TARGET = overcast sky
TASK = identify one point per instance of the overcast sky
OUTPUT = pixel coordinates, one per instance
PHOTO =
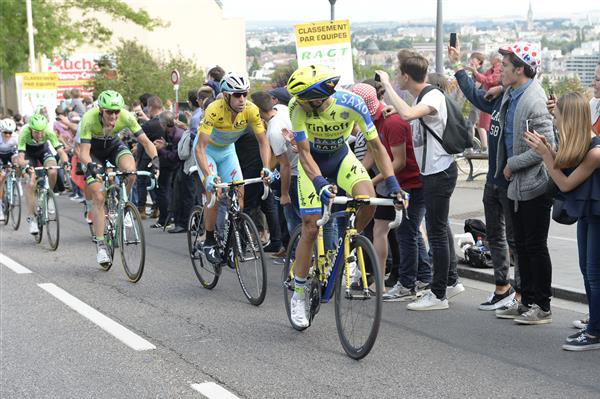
(399, 10)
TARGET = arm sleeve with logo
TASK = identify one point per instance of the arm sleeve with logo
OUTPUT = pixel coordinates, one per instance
(254, 118)
(131, 123)
(51, 136)
(85, 128)
(208, 121)
(298, 118)
(363, 118)
(23, 136)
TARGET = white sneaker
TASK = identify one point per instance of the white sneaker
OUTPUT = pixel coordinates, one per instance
(428, 302)
(33, 227)
(582, 323)
(298, 311)
(127, 221)
(102, 256)
(88, 217)
(454, 290)
(399, 293)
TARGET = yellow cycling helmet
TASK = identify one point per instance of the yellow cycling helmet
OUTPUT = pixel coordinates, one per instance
(313, 82)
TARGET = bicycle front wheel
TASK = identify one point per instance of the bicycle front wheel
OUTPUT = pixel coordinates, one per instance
(249, 260)
(207, 273)
(131, 242)
(39, 217)
(358, 308)
(52, 224)
(110, 239)
(15, 207)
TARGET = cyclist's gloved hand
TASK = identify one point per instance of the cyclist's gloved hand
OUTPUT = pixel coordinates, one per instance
(392, 186)
(266, 173)
(91, 171)
(325, 190)
(209, 182)
(155, 163)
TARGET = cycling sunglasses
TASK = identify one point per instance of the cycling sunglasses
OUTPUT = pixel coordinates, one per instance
(238, 95)
(112, 111)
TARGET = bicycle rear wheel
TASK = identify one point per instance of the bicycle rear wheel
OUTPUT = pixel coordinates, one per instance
(250, 264)
(52, 224)
(358, 313)
(15, 206)
(132, 243)
(287, 278)
(207, 273)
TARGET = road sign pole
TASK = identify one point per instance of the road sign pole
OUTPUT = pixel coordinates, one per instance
(176, 87)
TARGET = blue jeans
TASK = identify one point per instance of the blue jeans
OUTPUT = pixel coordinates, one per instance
(437, 190)
(292, 210)
(588, 237)
(412, 266)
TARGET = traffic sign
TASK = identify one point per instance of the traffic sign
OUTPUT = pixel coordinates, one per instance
(175, 76)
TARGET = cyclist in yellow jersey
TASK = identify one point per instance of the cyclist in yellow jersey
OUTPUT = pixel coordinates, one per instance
(322, 119)
(224, 122)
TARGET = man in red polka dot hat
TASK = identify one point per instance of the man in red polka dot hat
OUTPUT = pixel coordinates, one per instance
(524, 108)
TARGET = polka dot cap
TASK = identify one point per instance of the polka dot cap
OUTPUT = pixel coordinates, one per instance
(527, 52)
(368, 94)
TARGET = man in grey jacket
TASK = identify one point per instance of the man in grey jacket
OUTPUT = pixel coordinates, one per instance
(524, 109)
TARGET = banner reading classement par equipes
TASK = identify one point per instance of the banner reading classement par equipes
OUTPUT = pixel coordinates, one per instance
(326, 43)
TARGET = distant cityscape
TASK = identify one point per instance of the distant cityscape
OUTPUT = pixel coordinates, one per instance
(570, 46)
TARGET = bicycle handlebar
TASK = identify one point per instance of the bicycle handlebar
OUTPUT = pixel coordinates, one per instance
(152, 185)
(371, 201)
(213, 198)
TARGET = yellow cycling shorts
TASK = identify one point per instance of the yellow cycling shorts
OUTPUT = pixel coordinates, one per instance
(347, 172)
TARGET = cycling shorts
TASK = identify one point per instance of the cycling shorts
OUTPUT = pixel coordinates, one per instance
(38, 155)
(341, 168)
(5, 159)
(222, 162)
(106, 150)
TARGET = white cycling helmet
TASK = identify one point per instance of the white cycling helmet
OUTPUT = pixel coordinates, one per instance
(8, 124)
(234, 83)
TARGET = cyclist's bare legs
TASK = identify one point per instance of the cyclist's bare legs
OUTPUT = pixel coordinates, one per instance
(365, 213)
(126, 163)
(97, 207)
(305, 245)
(29, 190)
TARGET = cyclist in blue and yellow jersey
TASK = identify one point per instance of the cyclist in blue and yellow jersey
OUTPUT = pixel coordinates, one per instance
(322, 119)
(35, 140)
(225, 121)
(99, 136)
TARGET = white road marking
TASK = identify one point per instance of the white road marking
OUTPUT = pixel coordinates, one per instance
(12, 265)
(552, 237)
(213, 391)
(121, 333)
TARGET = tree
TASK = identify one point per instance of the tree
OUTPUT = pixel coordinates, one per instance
(133, 70)
(282, 73)
(55, 29)
(254, 67)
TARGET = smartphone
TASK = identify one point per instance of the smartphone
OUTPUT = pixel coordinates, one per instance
(377, 78)
(527, 125)
(453, 39)
(551, 93)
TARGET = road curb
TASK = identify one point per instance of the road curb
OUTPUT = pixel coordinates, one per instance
(568, 294)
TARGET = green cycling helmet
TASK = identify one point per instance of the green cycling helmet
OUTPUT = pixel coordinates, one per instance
(38, 122)
(110, 99)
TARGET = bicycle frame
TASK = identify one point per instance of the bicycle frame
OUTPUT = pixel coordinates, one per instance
(41, 190)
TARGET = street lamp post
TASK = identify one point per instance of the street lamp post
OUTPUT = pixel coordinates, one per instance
(332, 9)
(30, 33)
(439, 40)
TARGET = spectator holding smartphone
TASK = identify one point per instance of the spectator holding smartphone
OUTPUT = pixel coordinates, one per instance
(575, 169)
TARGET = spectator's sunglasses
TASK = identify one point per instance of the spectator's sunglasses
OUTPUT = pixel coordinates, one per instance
(112, 111)
(238, 95)
(7, 132)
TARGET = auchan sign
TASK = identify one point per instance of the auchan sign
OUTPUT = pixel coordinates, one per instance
(74, 71)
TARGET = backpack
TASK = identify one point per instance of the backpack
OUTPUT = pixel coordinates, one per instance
(456, 137)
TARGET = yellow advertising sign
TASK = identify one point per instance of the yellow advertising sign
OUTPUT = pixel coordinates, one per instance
(322, 33)
(39, 81)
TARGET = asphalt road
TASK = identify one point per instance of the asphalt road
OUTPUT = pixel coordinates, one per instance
(48, 350)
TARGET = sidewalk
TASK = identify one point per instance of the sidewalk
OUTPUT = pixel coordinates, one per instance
(567, 281)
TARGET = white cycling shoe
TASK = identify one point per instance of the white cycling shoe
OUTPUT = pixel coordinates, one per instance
(33, 227)
(298, 312)
(102, 257)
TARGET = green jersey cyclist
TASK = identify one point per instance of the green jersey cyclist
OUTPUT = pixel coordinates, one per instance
(322, 119)
(225, 121)
(99, 135)
(34, 148)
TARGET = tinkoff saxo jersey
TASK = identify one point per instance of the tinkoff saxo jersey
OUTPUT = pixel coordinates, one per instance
(223, 131)
(328, 130)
